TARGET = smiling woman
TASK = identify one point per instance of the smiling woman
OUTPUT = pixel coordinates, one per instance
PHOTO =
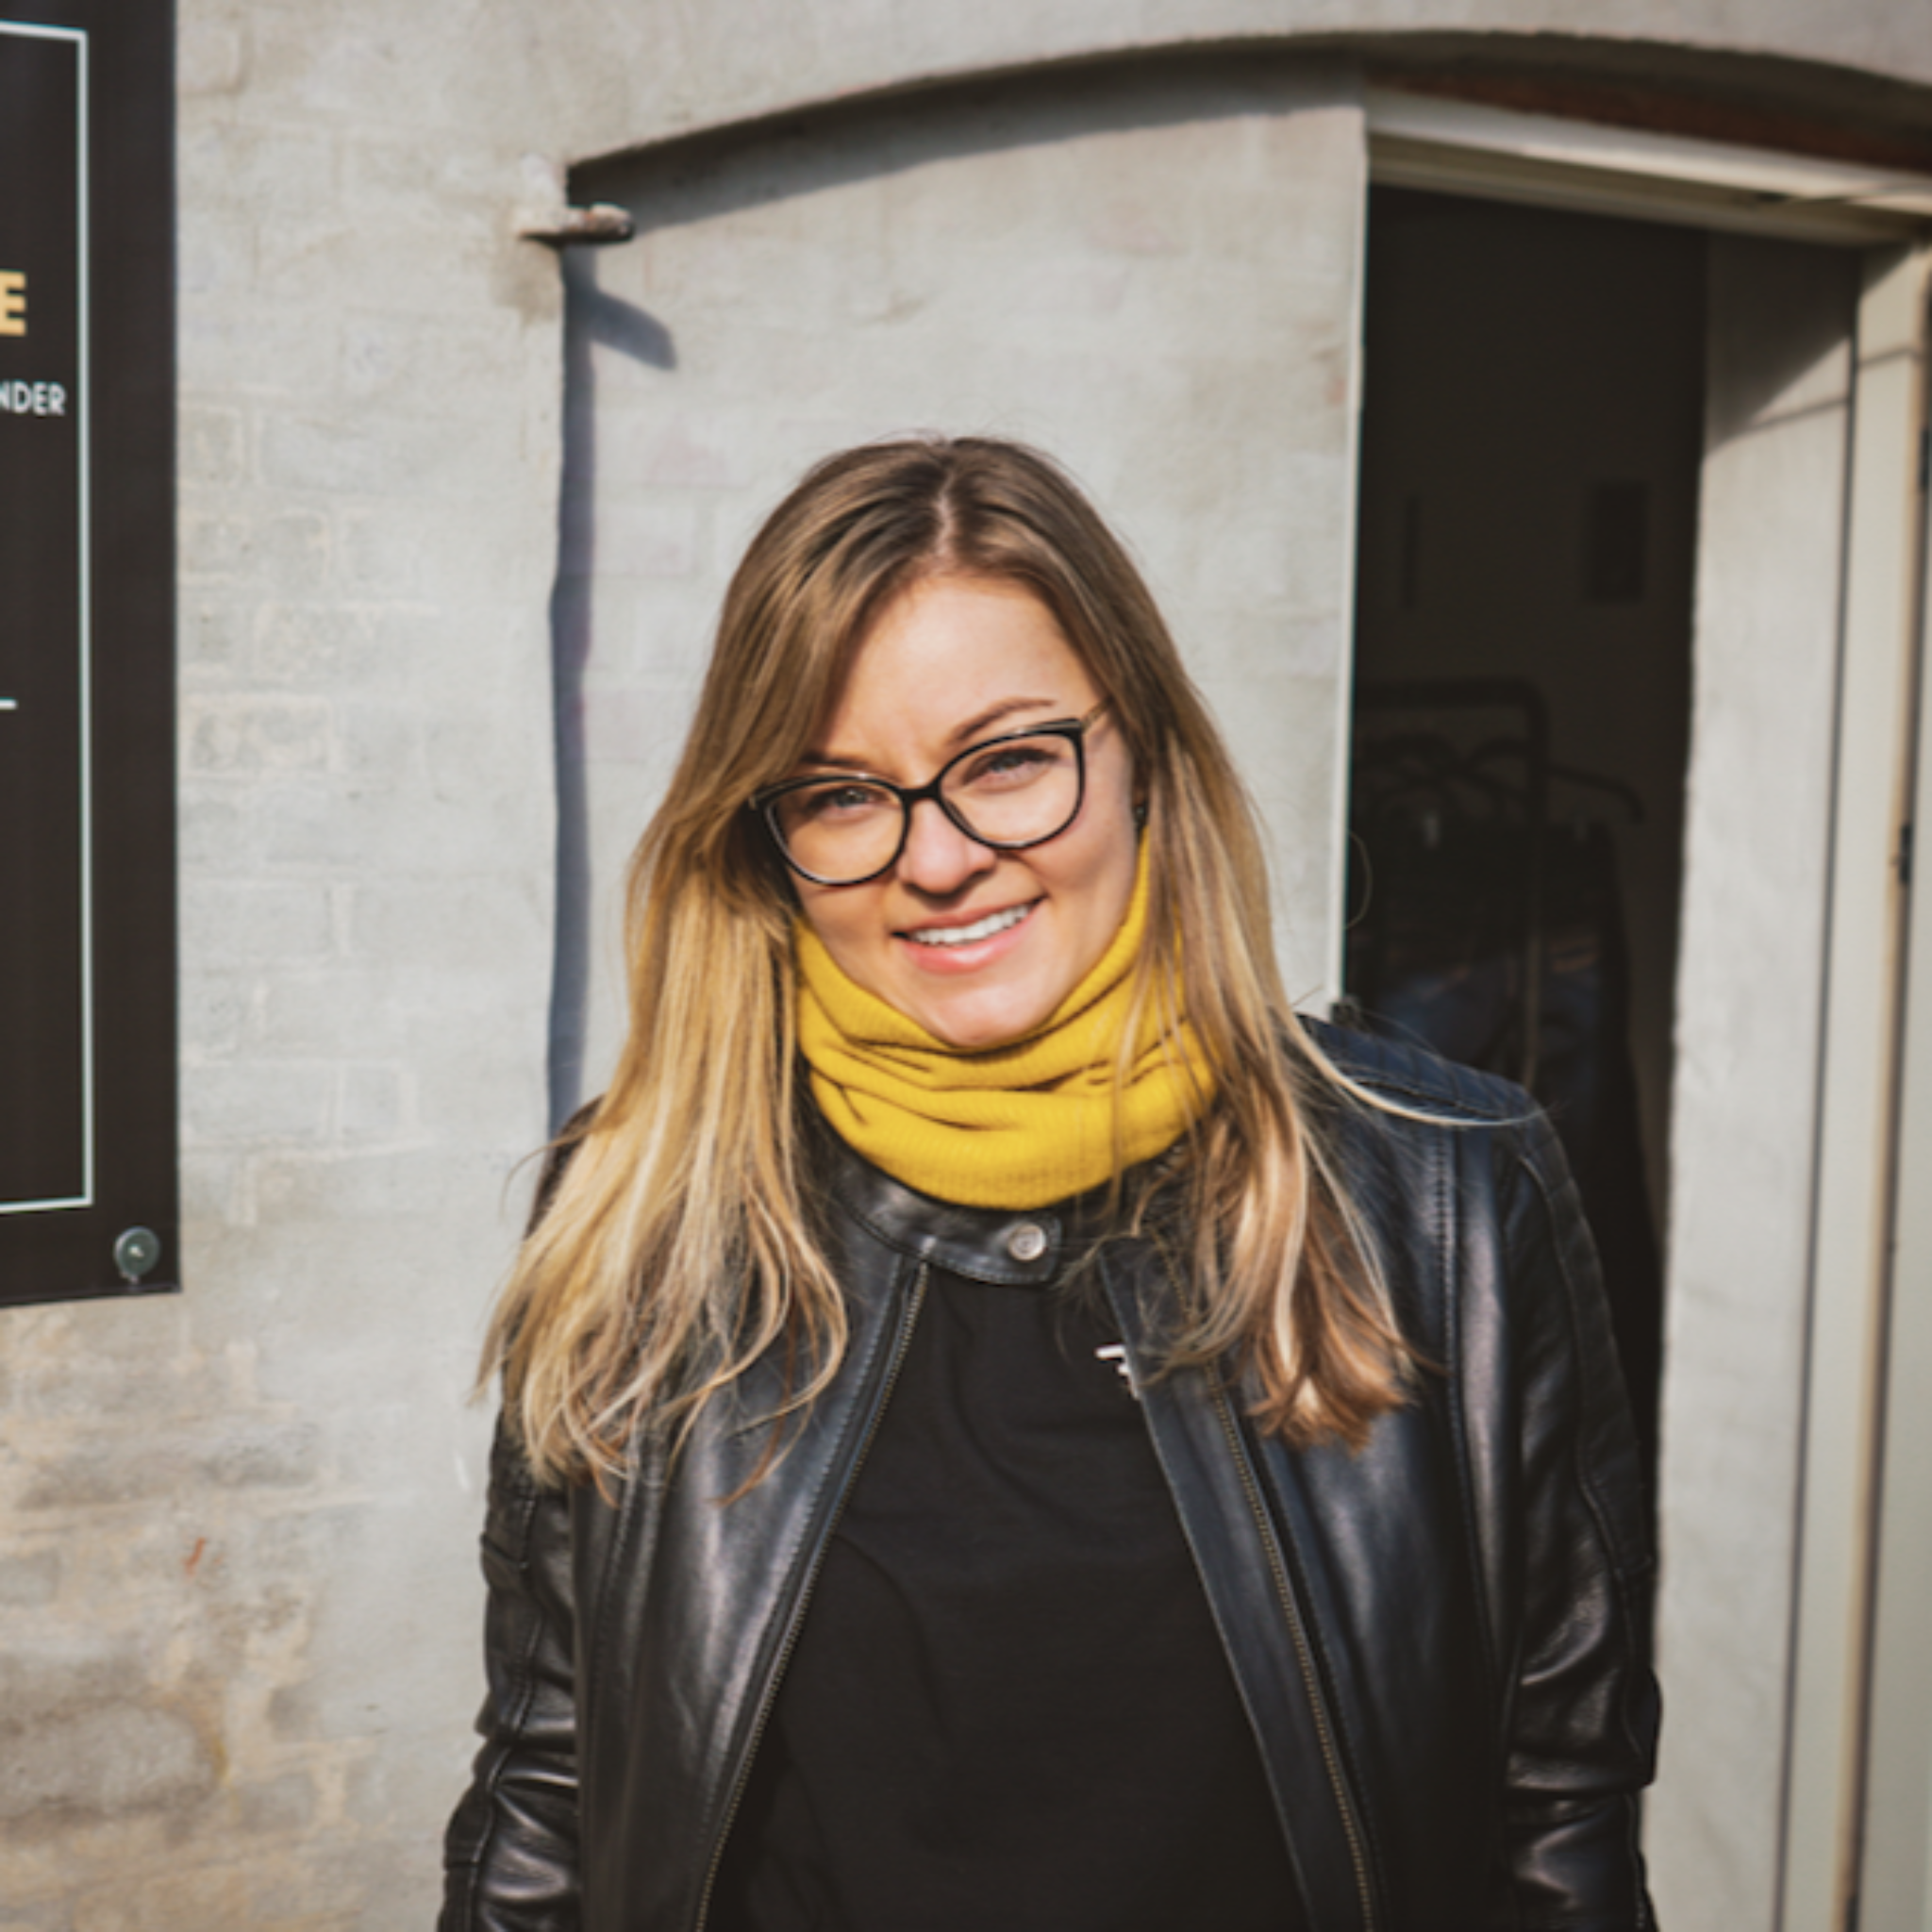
(1003, 1422)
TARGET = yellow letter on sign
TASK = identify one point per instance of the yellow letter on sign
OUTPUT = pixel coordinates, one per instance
(13, 302)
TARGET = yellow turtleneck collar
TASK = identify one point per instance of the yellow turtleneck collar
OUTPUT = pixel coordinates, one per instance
(1015, 1125)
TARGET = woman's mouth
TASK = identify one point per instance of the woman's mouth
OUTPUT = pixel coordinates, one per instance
(986, 928)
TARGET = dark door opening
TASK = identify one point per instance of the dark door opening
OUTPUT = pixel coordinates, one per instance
(1531, 437)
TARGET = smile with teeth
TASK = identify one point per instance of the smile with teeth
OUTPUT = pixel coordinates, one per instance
(966, 935)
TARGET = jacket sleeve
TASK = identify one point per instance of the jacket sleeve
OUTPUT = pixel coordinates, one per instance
(1583, 1706)
(510, 1853)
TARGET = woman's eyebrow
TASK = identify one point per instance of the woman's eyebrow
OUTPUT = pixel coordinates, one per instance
(978, 727)
(961, 734)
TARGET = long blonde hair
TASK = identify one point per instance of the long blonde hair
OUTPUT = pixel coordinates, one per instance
(676, 1244)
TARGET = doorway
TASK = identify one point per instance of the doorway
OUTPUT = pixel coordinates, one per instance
(1585, 439)
(1532, 430)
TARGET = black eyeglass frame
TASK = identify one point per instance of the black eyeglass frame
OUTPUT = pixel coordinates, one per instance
(764, 801)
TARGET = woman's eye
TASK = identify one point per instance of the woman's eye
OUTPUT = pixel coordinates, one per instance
(1011, 764)
(837, 801)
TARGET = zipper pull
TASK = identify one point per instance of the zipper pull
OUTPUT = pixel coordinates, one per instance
(1116, 1353)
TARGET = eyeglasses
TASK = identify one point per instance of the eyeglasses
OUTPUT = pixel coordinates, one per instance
(1008, 792)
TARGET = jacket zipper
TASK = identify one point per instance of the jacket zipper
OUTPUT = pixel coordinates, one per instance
(1304, 1658)
(901, 1344)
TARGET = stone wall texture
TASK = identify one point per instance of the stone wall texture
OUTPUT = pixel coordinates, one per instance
(238, 1603)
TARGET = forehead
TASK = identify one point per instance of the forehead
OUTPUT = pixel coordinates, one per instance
(949, 648)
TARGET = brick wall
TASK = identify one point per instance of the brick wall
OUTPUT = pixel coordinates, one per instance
(238, 1615)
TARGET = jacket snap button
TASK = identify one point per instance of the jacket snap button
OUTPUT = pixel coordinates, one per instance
(1027, 1242)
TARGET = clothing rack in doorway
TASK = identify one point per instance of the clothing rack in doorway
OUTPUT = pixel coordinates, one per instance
(1436, 765)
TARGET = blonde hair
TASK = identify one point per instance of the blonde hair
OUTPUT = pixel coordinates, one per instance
(676, 1245)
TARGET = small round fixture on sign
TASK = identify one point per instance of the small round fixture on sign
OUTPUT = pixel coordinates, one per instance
(135, 1250)
(1027, 1242)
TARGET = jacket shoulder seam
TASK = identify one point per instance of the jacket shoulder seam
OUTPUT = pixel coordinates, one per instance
(1448, 1235)
(1585, 1480)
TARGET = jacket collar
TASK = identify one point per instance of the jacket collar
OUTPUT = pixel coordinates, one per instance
(1006, 1248)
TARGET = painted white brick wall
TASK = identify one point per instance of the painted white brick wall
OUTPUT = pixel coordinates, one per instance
(240, 1616)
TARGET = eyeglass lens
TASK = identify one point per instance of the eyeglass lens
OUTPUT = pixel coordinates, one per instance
(1019, 791)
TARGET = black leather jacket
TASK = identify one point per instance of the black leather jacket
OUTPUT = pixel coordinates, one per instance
(1440, 1640)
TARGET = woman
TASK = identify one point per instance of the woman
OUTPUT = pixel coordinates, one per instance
(1004, 1426)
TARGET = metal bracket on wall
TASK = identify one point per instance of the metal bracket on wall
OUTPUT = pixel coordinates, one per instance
(602, 221)
(544, 213)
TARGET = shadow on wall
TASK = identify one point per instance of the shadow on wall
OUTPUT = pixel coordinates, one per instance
(701, 176)
(594, 320)
(1765, 379)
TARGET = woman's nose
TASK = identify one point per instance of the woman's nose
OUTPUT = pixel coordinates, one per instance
(939, 858)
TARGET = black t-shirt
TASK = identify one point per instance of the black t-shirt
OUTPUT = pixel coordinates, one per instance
(1008, 1706)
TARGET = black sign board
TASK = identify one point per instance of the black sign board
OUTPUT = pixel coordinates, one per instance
(87, 1185)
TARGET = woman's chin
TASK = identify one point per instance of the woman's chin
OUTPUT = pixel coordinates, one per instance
(978, 1020)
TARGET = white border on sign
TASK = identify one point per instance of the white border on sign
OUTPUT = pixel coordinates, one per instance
(23, 30)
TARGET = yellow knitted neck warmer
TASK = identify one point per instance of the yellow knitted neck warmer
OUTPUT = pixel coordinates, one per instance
(1016, 1125)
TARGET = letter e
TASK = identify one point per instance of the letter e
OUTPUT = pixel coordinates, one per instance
(13, 302)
